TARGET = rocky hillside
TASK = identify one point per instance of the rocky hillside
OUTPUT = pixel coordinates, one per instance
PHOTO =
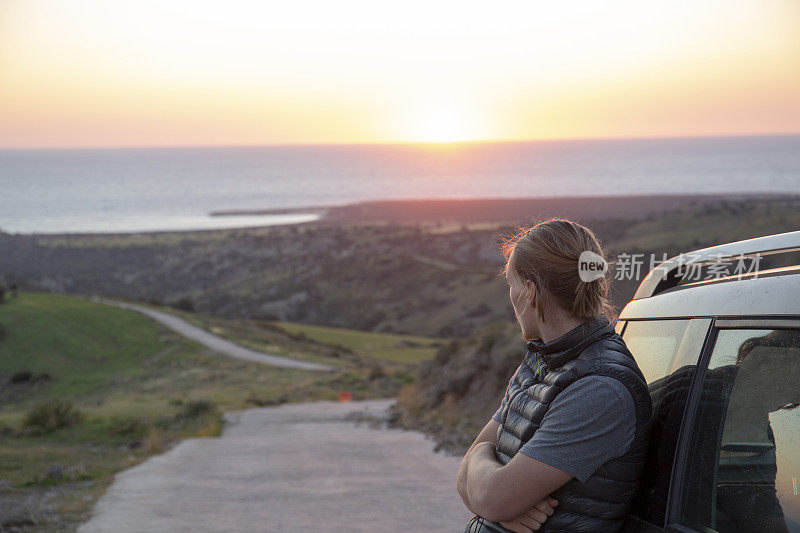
(427, 277)
(373, 277)
(457, 393)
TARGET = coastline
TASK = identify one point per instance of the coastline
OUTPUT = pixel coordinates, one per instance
(473, 210)
(495, 211)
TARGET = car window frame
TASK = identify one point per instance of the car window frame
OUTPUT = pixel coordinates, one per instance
(679, 471)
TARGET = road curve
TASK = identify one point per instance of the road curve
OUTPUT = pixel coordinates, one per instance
(295, 467)
(211, 341)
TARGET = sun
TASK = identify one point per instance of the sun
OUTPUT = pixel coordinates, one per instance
(440, 122)
(442, 125)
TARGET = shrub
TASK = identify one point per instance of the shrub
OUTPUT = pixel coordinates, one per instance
(376, 372)
(154, 441)
(409, 399)
(196, 408)
(52, 414)
(212, 428)
(445, 352)
(129, 426)
(23, 376)
(183, 304)
(487, 342)
(27, 378)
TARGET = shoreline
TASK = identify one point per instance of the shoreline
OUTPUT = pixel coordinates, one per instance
(464, 211)
(504, 208)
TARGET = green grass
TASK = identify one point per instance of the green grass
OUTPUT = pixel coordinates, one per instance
(132, 379)
(381, 346)
(80, 344)
(260, 335)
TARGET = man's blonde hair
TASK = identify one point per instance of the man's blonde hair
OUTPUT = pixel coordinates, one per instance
(547, 254)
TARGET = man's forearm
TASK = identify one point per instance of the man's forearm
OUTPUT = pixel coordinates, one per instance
(481, 463)
(462, 484)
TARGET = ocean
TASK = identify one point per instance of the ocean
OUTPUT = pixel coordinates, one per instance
(149, 189)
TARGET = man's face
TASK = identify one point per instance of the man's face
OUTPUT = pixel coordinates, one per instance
(521, 296)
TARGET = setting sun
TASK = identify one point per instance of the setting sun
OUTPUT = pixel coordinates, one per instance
(443, 126)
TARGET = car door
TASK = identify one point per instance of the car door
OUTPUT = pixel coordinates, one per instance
(737, 466)
(667, 351)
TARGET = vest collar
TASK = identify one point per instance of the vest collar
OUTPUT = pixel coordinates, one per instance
(570, 345)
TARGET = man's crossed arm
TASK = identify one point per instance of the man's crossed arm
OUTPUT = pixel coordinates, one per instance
(501, 493)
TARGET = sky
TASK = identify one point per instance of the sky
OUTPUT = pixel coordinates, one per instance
(83, 73)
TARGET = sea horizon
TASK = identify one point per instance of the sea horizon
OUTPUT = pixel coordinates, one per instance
(134, 189)
(433, 145)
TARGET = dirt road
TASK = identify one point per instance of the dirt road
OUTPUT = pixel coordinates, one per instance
(295, 467)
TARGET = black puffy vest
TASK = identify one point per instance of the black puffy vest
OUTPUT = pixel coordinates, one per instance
(594, 347)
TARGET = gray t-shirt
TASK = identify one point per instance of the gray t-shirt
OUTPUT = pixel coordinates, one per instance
(589, 423)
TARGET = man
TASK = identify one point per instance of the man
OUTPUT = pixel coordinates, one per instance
(567, 446)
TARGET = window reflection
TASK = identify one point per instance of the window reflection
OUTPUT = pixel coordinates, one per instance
(744, 460)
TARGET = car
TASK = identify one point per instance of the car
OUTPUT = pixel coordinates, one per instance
(721, 356)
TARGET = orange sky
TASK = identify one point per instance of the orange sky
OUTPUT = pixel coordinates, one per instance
(149, 73)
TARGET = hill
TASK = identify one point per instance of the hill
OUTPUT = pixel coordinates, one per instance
(89, 389)
(438, 275)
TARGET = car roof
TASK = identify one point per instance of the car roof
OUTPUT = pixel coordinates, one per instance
(770, 293)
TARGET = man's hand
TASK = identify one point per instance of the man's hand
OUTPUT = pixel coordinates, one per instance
(533, 518)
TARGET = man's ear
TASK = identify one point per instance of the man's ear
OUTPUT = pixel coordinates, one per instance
(533, 298)
(530, 286)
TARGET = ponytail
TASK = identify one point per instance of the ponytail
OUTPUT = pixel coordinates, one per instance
(591, 299)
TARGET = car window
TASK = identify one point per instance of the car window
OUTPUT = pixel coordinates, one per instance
(743, 460)
(667, 352)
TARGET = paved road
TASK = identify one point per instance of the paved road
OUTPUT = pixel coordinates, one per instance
(211, 341)
(295, 467)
